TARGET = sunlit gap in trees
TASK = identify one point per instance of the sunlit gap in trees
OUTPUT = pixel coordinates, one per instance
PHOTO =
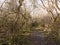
(33, 6)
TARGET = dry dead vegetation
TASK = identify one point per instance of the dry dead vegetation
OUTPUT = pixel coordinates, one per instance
(16, 25)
